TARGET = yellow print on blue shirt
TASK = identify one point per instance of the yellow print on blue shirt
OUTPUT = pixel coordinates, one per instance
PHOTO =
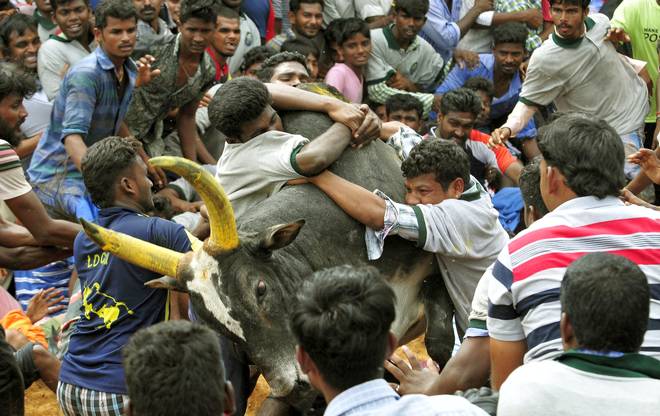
(109, 311)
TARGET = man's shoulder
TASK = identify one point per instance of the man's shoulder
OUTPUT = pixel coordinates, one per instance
(444, 404)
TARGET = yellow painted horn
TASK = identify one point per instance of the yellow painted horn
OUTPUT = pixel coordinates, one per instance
(133, 250)
(221, 214)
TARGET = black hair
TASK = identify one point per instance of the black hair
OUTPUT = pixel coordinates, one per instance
(413, 8)
(461, 100)
(119, 9)
(54, 4)
(19, 23)
(342, 320)
(442, 158)
(587, 151)
(294, 5)
(480, 84)
(227, 12)
(268, 68)
(530, 187)
(512, 32)
(351, 27)
(584, 4)
(606, 299)
(333, 29)
(198, 9)
(13, 80)
(175, 368)
(256, 55)
(239, 101)
(103, 164)
(404, 102)
(302, 46)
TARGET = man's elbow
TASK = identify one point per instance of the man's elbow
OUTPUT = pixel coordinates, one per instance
(313, 165)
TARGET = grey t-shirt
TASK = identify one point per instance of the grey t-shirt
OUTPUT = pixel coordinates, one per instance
(587, 76)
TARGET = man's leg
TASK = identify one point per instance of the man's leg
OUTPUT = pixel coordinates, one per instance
(78, 401)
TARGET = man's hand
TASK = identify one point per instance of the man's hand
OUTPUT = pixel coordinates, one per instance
(533, 18)
(466, 58)
(400, 82)
(205, 101)
(414, 378)
(499, 136)
(523, 69)
(347, 114)
(156, 174)
(145, 73)
(648, 161)
(370, 128)
(631, 199)
(43, 303)
(483, 5)
(617, 34)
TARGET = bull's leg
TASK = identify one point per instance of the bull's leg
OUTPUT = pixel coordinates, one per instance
(439, 312)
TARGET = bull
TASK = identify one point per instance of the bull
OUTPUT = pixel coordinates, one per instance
(243, 280)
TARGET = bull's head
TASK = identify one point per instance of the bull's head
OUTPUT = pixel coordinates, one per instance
(233, 284)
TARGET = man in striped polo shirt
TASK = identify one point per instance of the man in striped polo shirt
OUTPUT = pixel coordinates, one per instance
(581, 175)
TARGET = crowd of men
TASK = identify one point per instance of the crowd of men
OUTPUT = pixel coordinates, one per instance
(526, 133)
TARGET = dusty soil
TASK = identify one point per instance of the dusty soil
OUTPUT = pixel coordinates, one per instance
(40, 401)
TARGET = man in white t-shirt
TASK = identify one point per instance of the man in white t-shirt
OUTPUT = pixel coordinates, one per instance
(605, 313)
(259, 158)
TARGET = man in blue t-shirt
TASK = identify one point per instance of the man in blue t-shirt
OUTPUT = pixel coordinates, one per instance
(116, 303)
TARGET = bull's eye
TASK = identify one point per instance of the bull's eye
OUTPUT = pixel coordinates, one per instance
(261, 288)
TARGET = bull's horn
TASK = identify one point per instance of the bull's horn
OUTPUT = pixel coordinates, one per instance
(133, 250)
(221, 214)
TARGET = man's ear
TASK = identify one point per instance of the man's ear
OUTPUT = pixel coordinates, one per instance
(566, 330)
(292, 17)
(457, 187)
(230, 401)
(303, 359)
(97, 35)
(127, 185)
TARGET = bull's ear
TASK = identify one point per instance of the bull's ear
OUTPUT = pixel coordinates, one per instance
(166, 282)
(280, 235)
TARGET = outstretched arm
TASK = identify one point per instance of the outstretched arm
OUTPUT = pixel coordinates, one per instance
(357, 202)
(322, 152)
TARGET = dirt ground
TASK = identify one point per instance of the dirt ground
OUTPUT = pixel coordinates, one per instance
(39, 401)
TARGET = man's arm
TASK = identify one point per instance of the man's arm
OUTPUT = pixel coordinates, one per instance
(46, 231)
(380, 92)
(324, 150)
(505, 356)
(76, 148)
(471, 16)
(187, 129)
(26, 258)
(357, 202)
(14, 235)
(531, 17)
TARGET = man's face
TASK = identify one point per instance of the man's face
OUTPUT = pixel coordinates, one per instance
(234, 4)
(312, 66)
(196, 35)
(508, 57)
(267, 121)
(252, 70)
(308, 19)
(408, 26)
(408, 117)
(147, 10)
(73, 18)
(226, 36)
(356, 51)
(456, 125)
(44, 7)
(424, 189)
(484, 117)
(23, 49)
(381, 112)
(118, 37)
(144, 196)
(568, 20)
(174, 8)
(290, 73)
(12, 115)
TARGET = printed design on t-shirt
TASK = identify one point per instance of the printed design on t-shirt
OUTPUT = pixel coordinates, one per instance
(109, 311)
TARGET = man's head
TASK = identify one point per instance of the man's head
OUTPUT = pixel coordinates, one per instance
(253, 60)
(605, 304)
(114, 173)
(227, 33)
(306, 16)
(568, 17)
(354, 42)
(287, 68)
(18, 34)
(174, 10)
(44, 7)
(309, 50)
(342, 326)
(409, 18)
(530, 187)
(509, 47)
(15, 84)
(486, 91)
(234, 4)
(198, 21)
(72, 16)
(458, 112)
(148, 10)
(582, 156)
(435, 170)
(116, 28)
(241, 110)
(406, 109)
(175, 368)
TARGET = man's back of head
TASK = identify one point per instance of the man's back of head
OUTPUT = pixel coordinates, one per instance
(175, 368)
